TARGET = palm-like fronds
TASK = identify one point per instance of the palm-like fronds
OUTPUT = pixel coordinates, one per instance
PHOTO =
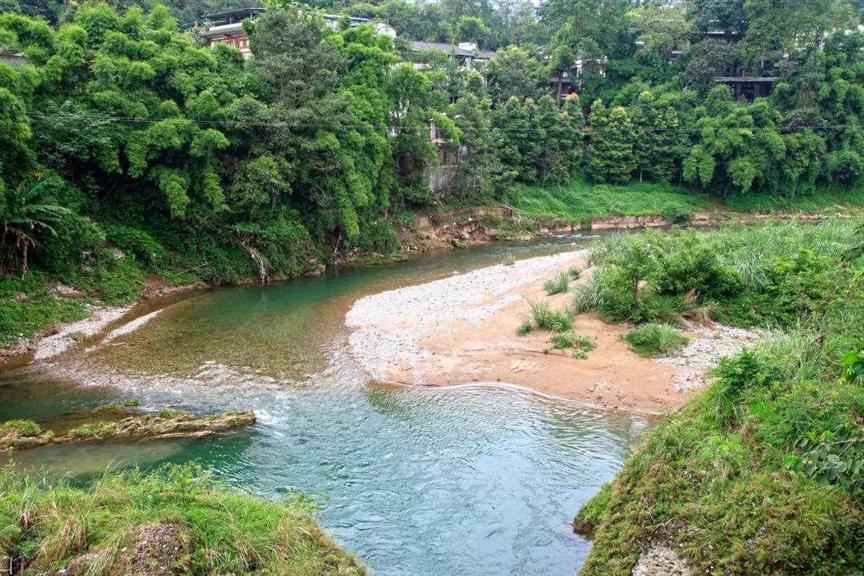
(26, 215)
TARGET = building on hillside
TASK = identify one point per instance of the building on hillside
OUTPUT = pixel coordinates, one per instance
(563, 83)
(335, 22)
(12, 58)
(227, 27)
(746, 84)
(466, 54)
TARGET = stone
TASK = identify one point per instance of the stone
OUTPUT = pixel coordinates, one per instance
(660, 560)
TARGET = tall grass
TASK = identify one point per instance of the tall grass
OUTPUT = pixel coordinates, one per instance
(44, 525)
(547, 319)
(579, 199)
(653, 340)
(762, 473)
(558, 285)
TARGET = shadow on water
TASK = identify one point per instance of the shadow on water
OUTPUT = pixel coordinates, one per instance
(413, 480)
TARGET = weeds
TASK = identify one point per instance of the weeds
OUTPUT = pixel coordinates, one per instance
(653, 340)
(525, 328)
(547, 319)
(764, 471)
(558, 285)
(578, 344)
(26, 428)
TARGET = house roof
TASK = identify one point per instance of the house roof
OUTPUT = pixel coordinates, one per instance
(455, 50)
(735, 79)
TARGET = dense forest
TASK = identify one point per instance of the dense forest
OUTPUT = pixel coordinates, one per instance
(121, 130)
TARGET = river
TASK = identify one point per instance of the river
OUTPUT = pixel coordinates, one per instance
(469, 480)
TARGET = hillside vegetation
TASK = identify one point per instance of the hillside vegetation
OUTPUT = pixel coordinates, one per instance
(763, 472)
(129, 149)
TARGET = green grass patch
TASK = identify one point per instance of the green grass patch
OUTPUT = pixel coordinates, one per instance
(26, 428)
(652, 340)
(44, 525)
(579, 199)
(578, 344)
(558, 285)
(545, 318)
(525, 328)
(763, 472)
(27, 307)
(824, 198)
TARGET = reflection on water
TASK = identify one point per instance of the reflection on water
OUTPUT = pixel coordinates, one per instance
(414, 481)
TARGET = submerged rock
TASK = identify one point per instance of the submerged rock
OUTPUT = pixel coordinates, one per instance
(165, 425)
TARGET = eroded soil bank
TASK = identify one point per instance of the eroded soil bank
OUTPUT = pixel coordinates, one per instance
(463, 330)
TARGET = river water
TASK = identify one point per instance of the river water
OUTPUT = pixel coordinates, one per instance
(469, 480)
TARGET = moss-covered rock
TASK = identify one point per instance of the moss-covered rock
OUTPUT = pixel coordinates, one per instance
(22, 434)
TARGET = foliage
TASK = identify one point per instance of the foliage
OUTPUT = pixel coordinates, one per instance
(559, 285)
(653, 340)
(579, 199)
(24, 428)
(571, 340)
(762, 472)
(225, 531)
(545, 318)
(27, 307)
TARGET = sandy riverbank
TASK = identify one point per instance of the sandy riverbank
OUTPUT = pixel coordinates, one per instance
(462, 329)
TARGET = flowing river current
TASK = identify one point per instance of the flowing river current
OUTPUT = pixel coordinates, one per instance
(461, 481)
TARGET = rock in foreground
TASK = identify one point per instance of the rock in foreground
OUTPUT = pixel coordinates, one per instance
(24, 434)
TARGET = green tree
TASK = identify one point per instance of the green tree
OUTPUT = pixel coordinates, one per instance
(516, 71)
(25, 218)
(611, 155)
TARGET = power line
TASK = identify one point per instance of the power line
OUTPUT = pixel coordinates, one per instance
(305, 125)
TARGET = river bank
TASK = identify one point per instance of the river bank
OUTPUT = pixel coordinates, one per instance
(464, 330)
(761, 472)
(427, 233)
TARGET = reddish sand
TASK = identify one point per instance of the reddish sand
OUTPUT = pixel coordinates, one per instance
(460, 349)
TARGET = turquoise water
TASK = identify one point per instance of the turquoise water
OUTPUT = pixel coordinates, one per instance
(416, 481)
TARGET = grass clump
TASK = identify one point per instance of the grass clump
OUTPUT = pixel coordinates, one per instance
(544, 318)
(558, 285)
(25, 428)
(575, 272)
(578, 344)
(45, 526)
(652, 340)
(525, 328)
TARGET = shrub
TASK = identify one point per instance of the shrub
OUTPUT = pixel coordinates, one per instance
(116, 280)
(580, 345)
(524, 328)
(558, 285)
(547, 319)
(139, 244)
(21, 427)
(570, 339)
(687, 263)
(575, 272)
(734, 376)
(655, 340)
